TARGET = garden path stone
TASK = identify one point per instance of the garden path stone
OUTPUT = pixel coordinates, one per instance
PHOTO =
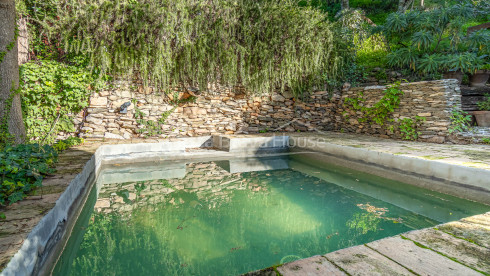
(316, 265)
(361, 260)
(422, 261)
(472, 232)
(468, 253)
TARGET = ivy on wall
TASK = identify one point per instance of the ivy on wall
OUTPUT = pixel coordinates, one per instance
(380, 113)
(53, 93)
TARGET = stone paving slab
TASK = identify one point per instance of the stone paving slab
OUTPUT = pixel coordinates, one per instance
(317, 265)
(476, 233)
(464, 251)
(361, 260)
(422, 261)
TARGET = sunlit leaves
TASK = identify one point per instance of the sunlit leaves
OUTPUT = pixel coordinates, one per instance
(432, 41)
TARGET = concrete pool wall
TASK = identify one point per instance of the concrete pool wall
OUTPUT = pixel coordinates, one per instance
(47, 239)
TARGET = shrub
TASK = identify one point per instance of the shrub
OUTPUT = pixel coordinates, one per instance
(433, 41)
(484, 105)
(52, 94)
(67, 143)
(22, 168)
(263, 45)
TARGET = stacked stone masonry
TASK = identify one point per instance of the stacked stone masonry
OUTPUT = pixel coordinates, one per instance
(221, 110)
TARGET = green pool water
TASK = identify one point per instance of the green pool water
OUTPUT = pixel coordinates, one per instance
(230, 217)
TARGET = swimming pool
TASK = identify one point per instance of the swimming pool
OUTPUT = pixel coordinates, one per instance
(235, 215)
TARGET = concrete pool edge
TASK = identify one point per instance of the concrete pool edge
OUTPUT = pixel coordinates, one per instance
(46, 234)
(428, 168)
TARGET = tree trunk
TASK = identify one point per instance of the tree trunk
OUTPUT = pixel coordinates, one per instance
(404, 4)
(422, 3)
(344, 4)
(10, 106)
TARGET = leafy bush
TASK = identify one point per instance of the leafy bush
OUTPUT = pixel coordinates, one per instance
(22, 168)
(372, 53)
(263, 45)
(67, 143)
(409, 127)
(52, 94)
(433, 41)
(484, 105)
(460, 122)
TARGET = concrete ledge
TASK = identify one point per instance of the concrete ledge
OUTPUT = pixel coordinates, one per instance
(448, 176)
(36, 248)
(250, 144)
(254, 164)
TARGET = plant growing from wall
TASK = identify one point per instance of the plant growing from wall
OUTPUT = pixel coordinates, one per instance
(380, 112)
(151, 128)
(460, 121)
(484, 105)
(409, 127)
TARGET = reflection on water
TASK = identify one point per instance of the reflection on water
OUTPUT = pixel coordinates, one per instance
(233, 216)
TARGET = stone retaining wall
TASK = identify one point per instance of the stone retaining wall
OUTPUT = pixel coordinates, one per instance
(222, 110)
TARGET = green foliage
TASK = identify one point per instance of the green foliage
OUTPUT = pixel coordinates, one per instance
(486, 140)
(432, 41)
(376, 10)
(52, 94)
(22, 168)
(262, 45)
(37, 11)
(381, 110)
(67, 143)
(484, 105)
(460, 121)
(372, 53)
(408, 127)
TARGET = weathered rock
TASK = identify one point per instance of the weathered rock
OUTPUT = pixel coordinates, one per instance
(98, 101)
(109, 135)
(93, 120)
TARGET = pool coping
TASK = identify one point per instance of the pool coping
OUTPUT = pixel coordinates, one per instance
(52, 228)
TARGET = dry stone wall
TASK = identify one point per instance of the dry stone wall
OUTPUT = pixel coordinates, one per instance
(224, 110)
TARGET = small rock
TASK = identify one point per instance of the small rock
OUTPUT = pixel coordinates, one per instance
(109, 135)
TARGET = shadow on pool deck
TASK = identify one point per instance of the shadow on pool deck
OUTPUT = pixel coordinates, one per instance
(24, 215)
